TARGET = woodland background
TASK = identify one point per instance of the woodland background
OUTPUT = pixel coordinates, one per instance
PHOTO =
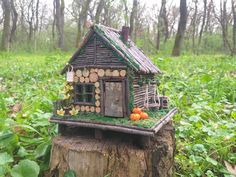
(205, 26)
(192, 41)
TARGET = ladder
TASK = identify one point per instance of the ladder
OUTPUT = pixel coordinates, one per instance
(156, 98)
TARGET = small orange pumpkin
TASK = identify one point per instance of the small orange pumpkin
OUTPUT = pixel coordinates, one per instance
(143, 115)
(137, 110)
(134, 116)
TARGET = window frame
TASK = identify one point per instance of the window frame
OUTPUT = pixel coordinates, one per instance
(84, 94)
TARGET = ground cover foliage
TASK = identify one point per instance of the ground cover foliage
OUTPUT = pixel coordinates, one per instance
(203, 88)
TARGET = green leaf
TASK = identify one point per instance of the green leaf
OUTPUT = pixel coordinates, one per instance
(70, 173)
(212, 161)
(199, 148)
(30, 128)
(22, 152)
(233, 114)
(6, 136)
(5, 158)
(41, 150)
(25, 168)
(209, 173)
(8, 140)
(3, 171)
(194, 118)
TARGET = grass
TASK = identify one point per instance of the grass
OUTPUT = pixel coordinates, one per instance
(203, 88)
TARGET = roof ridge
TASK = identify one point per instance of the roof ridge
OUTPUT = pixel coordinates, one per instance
(107, 27)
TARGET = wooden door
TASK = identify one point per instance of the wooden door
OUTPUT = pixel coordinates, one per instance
(114, 99)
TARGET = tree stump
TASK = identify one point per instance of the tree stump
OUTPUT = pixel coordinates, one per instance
(113, 157)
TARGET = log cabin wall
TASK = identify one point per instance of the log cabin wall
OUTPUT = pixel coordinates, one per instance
(95, 62)
(95, 77)
(140, 89)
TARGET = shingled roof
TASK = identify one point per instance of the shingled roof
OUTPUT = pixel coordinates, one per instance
(128, 51)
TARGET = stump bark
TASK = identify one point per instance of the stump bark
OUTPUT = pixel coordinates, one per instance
(113, 157)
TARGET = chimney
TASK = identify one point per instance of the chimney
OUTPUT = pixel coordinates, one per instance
(125, 33)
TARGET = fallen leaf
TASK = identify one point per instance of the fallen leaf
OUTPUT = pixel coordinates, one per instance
(230, 168)
(16, 108)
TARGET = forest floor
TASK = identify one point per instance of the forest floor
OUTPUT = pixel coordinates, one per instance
(203, 88)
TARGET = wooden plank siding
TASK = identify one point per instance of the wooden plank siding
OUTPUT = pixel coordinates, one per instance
(96, 53)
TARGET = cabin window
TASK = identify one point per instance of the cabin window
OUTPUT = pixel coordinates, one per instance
(84, 94)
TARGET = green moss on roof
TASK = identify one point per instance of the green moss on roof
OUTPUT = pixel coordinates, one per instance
(131, 60)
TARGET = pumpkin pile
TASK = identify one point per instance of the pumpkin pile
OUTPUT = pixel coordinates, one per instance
(138, 114)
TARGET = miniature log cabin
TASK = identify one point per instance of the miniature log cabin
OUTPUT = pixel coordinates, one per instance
(106, 78)
(111, 75)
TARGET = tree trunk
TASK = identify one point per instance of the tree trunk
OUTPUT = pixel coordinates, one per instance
(6, 6)
(59, 6)
(36, 26)
(165, 20)
(224, 25)
(81, 24)
(133, 18)
(210, 8)
(159, 27)
(30, 19)
(113, 157)
(234, 27)
(181, 29)
(203, 22)
(99, 11)
(158, 40)
(126, 17)
(194, 25)
(14, 21)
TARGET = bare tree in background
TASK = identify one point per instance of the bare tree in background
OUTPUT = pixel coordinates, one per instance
(159, 25)
(133, 18)
(14, 21)
(113, 13)
(203, 22)
(59, 7)
(181, 29)
(165, 20)
(81, 23)
(22, 5)
(6, 6)
(172, 15)
(193, 24)
(223, 20)
(234, 26)
(162, 25)
(209, 15)
(31, 21)
(126, 16)
(99, 9)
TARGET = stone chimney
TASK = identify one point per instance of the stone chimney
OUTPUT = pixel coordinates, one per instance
(125, 33)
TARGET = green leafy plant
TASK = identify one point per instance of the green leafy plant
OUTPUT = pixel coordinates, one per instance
(204, 92)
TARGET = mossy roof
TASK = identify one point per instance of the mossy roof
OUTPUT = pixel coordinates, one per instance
(127, 51)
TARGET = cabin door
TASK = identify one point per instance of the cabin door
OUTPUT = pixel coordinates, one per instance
(114, 99)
